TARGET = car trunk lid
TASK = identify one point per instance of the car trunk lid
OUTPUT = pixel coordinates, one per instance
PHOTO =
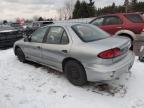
(110, 43)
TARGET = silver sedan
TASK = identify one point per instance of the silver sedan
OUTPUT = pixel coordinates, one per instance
(82, 51)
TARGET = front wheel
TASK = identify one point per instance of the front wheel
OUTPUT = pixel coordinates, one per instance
(20, 55)
(75, 73)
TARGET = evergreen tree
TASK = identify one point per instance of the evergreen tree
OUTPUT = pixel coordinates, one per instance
(133, 5)
(76, 9)
(5, 22)
(88, 9)
(91, 8)
(84, 10)
(113, 7)
(126, 4)
(40, 19)
(134, 1)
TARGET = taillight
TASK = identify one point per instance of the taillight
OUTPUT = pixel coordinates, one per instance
(143, 30)
(112, 53)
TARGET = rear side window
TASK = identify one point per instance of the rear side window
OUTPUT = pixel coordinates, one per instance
(112, 20)
(135, 18)
(57, 35)
(54, 35)
(64, 38)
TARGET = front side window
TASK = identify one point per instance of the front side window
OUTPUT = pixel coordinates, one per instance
(57, 35)
(98, 22)
(38, 35)
(112, 20)
(88, 33)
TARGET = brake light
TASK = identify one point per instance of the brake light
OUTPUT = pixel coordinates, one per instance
(112, 53)
(143, 30)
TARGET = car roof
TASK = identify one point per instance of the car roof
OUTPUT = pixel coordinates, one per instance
(65, 24)
(121, 14)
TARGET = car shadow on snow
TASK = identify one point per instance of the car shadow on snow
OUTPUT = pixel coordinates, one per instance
(36, 65)
(116, 87)
(49, 70)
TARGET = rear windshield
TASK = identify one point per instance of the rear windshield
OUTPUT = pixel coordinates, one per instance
(134, 18)
(45, 23)
(89, 33)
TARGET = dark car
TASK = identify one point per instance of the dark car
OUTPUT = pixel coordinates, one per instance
(8, 35)
(38, 24)
(17, 26)
(125, 24)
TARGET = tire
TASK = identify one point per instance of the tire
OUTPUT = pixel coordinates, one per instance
(131, 48)
(20, 55)
(75, 73)
(141, 59)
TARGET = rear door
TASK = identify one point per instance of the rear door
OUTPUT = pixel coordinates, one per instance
(136, 23)
(56, 47)
(110, 24)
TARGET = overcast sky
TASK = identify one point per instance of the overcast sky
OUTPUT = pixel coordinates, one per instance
(11, 9)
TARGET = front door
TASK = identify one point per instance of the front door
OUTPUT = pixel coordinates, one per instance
(110, 24)
(34, 46)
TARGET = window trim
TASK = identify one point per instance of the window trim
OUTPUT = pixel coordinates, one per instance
(72, 27)
(127, 15)
(112, 24)
(97, 19)
(45, 38)
(62, 37)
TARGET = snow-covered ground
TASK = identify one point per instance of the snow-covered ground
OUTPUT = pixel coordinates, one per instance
(30, 85)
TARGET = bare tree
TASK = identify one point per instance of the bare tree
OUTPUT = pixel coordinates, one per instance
(69, 8)
(66, 11)
(35, 18)
(60, 14)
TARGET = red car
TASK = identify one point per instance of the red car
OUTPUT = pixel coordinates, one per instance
(125, 24)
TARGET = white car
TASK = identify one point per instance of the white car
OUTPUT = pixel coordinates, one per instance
(82, 51)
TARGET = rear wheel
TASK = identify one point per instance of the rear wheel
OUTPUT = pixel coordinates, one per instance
(128, 36)
(20, 55)
(75, 73)
(141, 59)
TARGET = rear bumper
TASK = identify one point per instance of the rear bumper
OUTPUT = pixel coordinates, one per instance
(109, 72)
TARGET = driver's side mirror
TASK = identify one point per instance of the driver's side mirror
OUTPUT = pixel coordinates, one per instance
(27, 39)
(24, 35)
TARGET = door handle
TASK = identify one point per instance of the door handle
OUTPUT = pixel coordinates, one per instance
(64, 51)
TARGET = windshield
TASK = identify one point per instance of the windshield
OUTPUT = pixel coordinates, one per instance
(89, 33)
